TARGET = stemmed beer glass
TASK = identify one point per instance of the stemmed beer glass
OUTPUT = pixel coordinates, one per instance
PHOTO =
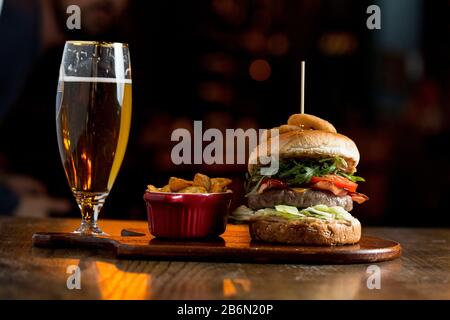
(93, 116)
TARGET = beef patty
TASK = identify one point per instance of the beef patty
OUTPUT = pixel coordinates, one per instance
(305, 199)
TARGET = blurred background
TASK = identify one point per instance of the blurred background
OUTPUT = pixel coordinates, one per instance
(235, 64)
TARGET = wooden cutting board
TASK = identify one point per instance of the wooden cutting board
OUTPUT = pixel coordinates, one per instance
(235, 245)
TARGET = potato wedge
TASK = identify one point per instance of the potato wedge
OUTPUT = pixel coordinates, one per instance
(152, 188)
(177, 184)
(166, 188)
(219, 184)
(201, 184)
(193, 189)
(201, 180)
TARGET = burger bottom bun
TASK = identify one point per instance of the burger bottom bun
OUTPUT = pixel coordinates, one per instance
(313, 232)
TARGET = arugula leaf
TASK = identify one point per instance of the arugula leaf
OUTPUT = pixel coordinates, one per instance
(253, 181)
(299, 172)
(351, 177)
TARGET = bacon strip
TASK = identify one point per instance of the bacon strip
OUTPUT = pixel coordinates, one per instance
(358, 197)
(269, 184)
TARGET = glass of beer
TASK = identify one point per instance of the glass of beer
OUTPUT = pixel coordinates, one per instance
(93, 116)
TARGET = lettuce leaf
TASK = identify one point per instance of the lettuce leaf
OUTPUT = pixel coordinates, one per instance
(241, 214)
(318, 211)
(288, 209)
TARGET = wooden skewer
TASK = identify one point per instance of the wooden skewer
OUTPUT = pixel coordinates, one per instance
(302, 89)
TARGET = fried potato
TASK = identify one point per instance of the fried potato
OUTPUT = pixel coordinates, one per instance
(193, 189)
(152, 188)
(215, 188)
(177, 184)
(166, 188)
(201, 180)
(219, 184)
(201, 184)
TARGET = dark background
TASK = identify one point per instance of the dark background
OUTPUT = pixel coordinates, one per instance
(235, 64)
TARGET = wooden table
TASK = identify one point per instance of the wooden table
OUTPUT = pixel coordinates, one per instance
(423, 272)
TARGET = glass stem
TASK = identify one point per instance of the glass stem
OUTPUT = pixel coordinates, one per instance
(90, 204)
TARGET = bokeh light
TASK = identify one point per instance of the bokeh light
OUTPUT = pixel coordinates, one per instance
(260, 70)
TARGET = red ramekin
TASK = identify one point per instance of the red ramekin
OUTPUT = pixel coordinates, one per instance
(187, 215)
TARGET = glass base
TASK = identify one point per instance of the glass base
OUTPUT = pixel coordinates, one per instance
(89, 229)
(90, 204)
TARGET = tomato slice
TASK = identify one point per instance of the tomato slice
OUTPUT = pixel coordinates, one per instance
(338, 181)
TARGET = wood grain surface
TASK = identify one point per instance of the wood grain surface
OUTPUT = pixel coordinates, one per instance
(27, 272)
(234, 245)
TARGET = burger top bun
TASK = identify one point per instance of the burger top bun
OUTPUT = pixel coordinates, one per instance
(309, 143)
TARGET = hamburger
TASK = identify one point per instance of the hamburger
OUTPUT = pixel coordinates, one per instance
(309, 199)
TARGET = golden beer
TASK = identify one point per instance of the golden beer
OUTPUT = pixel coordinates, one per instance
(93, 123)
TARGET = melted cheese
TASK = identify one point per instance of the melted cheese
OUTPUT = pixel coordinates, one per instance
(300, 190)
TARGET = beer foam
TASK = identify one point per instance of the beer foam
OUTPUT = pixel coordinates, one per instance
(95, 79)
